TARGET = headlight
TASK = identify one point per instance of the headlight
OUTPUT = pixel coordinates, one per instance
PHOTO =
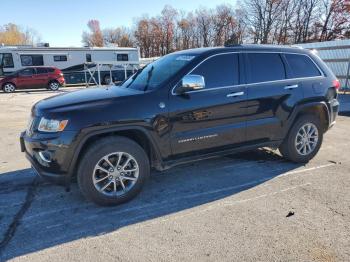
(51, 125)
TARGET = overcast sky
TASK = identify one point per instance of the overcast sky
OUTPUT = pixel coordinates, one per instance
(62, 22)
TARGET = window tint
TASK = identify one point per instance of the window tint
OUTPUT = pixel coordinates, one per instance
(88, 58)
(27, 72)
(32, 60)
(219, 71)
(50, 69)
(6, 60)
(41, 70)
(265, 67)
(302, 66)
(122, 57)
(59, 58)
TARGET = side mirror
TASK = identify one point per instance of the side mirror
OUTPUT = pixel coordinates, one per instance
(190, 83)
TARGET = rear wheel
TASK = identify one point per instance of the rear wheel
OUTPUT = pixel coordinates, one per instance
(303, 140)
(9, 88)
(54, 85)
(113, 171)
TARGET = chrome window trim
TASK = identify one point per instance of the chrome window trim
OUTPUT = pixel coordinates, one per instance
(250, 84)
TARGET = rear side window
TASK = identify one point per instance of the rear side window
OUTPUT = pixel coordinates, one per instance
(41, 70)
(122, 57)
(265, 67)
(219, 71)
(32, 60)
(60, 58)
(302, 66)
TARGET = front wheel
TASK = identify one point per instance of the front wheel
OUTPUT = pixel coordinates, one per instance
(9, 88)
(113, 171)
(303, 140)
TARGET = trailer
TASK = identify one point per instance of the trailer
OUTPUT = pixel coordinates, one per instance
(73, 62)
(336, 54)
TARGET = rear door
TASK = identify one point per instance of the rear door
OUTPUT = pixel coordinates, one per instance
(41, 77)
(213, 117)
(272, 95)
(26, 78)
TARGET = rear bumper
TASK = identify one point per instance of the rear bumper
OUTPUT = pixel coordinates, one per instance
(333, 106)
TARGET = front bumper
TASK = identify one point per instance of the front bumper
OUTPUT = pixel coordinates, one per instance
(49, 155)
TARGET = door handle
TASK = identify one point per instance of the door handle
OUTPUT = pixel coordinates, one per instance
(289, 87)
(235, 94)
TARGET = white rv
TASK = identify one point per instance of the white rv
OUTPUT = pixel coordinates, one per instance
(72, 61)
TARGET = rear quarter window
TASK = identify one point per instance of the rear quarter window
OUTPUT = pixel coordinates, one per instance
(302, 66)
(264, 67)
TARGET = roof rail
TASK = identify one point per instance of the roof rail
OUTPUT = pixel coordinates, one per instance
(232, 45)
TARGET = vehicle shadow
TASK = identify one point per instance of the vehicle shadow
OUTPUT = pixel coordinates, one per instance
(56, 217)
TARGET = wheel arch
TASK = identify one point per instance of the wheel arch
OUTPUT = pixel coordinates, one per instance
(8, 82)
(137, 134)
(316, 108)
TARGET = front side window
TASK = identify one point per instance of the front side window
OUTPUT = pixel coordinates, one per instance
(59, 58)
(158, 72)
(264, 67)
(26, 72)
(219, 71)
(6, 60)
(122, 57)
(302, 66)
(32, 60)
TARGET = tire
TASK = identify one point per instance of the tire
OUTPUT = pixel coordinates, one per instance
(107, 80)
(299, 149)
(94, 168)
(54, 85)
(9, 88)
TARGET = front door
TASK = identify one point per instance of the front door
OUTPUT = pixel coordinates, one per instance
(213, 117)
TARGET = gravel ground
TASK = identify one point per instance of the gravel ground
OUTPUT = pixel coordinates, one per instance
(253, 206)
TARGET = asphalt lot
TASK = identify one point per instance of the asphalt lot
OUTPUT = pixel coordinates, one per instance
(246, 207)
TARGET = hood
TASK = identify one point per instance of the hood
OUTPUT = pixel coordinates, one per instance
(78, 98)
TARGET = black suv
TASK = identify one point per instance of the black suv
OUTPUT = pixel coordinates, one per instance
(185, 106)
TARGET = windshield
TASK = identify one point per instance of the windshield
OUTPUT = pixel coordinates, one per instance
(156, 73)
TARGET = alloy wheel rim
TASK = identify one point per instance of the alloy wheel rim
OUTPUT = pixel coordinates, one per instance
(306, 139)
(54, 86)
(115, 174)
(9, 88)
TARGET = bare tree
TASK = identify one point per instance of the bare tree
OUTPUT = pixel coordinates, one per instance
(94, 37)
(119, 36)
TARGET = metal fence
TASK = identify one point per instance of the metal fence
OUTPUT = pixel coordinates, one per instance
(336, 54)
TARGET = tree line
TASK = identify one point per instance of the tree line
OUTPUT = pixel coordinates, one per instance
(249, 21)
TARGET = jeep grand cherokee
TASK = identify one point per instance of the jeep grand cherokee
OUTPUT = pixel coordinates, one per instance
(185, 106)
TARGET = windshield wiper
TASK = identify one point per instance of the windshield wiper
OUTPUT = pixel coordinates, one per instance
(150, 72)
(134, 77)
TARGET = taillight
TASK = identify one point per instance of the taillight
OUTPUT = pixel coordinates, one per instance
(336, 84)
